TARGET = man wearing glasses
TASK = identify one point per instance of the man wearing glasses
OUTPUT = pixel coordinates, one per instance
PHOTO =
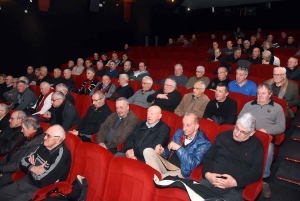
(62, 112)
(95, 116)
(269, 119)
(225, 167)
(140, 97)
(50, 163)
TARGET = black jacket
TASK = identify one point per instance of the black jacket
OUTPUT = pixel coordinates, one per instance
(143, 137)
(293, 74)
(70, 83)
(258, 60)
(9, 138)
(24, 101)
(4, 122)
(47, 78)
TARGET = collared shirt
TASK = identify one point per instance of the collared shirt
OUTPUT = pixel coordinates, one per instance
(152, 125)
(249, 88)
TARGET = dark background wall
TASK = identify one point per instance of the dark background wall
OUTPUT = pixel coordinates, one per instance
(69, 30)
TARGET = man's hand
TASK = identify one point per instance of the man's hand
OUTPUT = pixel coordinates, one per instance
(159, 149)
(221, 180)
(130, 153)
(47, 114)
(31, 160)
(173, 146)
(263, 130)
(102, 145)
(38, 170)
(162, 96)
(75, 132)
(209, 119)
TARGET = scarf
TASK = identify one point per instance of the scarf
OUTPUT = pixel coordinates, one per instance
(283, 86)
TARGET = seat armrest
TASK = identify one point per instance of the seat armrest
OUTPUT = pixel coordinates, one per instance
(251, 191)
(63, 187)
(18, 175)
(196, 174)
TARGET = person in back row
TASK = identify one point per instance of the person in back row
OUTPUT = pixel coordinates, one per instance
(142, 72)
(124, 90)
(178, 76)
(200, 70)
(222, 77)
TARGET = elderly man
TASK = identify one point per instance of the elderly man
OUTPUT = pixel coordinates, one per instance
(222, 77)
(112, 72)
(114, 58)
(33, 137)
(180, 157)
(95, 116)
(25, 99)
(44, 76)
(64, 89)
(255, 57)
(167, 98)
(222, 109)
(290, 43)
(100, 69)
(43, 103)
(200, 70)
(11, 95)
(292, 70)
(178, 76)
(104, 59)
(269, 118)
(62, 112)
(71, 65)
(273, 43)
(225, 168)
(126, 68)
(9, 83)
(11, 135)
(124, 90)
(56, 78)
(89, 85)
(268, 58)
(117, 126)
(229, 49)
(235, 57)
(77, 70)
(146, 134)
(68, 80)
(194, 102)
(140, 97)
(216, 57)
(106, 86)
(142, 72)
(241, 84)
(4, 117)
(50, 163)
(284, 89)
(215, 46)
(246, 49)
(96, 58)
(30, 74)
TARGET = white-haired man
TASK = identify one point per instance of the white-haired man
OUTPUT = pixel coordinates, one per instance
(200, 70)
(78, 69)
(124, 90)
(268, 58)
(56, 78)
(44, 76)
(114, 58)
(178, 76)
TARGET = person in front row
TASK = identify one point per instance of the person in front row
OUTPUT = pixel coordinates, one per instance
(225, 168)
(48, 164)
(183, 154)
(146, 134)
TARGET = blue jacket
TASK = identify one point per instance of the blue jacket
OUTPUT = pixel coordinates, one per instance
(192, 155)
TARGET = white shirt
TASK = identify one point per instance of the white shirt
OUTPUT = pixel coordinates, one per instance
(47, 105)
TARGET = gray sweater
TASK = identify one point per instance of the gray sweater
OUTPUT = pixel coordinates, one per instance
(141, 99)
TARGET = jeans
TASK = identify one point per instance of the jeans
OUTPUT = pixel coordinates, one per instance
(267, 172)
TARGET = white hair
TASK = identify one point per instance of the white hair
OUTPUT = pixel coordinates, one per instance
(266, 53)
(247, 121)
(179, 65)
(201, 68)
(283, 70)
(125, 76)
(150, 80)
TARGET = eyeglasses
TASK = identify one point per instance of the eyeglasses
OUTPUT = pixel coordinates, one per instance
(50, 136)
(11, 118)
(96, 100)
(53, 100)
(145, 83)
(239, 131)
(277, 75)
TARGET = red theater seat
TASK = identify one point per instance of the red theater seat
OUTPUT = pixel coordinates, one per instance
(139, 111)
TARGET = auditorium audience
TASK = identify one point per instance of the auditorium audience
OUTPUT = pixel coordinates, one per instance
(71, 65)
(253, 43)
(114, 58)
(69, 81)
(112, 72)
(100, 69)
(292, 70)
(126, 48)
(2, 85)
(56, 78)
(64, 90)
(139, 74)
(216, 57)
(88, 64)
(44, 76)
(200, 70)
(215, 46)
(11, 95)
(77, 70)
(235, 57)
(290, 43)
(96, 58)
(238, 33)
(255, 57)
(186, 43)
(170, 43)
(124, 59)
(104, 59)
(106, 86)
(222, 77)
(126, 69)
(229, 49)
(193, 39)
(178, 76)
(239, 43)
(273, 43)
(37, 74)
(266, 46)
(246, 47)
(268, 58)
(30, 74)
(89, 85)
(181, 38)
(4, 117)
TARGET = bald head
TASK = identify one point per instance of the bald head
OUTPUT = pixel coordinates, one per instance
(153, 114)
(54, 136)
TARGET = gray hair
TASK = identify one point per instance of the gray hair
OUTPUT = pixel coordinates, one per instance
(283, 70)
(243, 69)
(266, 53)
(100, 61)
(175, 84)
(150, 80)
(201, 68)
(3, 76)
(179, 65)
(4, 108)
(196, 121)
(59, 95)
(30, 121)
(125, 76)
(46, 84)
(44, 67)
(100, 94)
(202, 84)
(80, 59)
(91, 70)
(67, 69)
(123, 99)
(25, 79)
(37, 69)
(246, 41)
(267, 86)
(62, 86)
(57, 69)
(21, 115)
(247, 121)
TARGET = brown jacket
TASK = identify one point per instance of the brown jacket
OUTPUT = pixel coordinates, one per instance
(188, 104)
(122, 132)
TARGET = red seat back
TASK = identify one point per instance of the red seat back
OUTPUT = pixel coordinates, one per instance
(209, 128)
(173, 121)
(139, 111)
(111, 104)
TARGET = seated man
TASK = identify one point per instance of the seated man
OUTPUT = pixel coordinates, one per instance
(274, 44)
(229, 49)
(117, 127)
(194, 38)
(225, 168)
(246, 49)
(194, 102)
(235, 57)
(181, 38)
(100, 69)
(70, 65)
(268, 58)
(112, 72)
(88, 64)
(170, 43)
(200, 70)
(186, 43)
(146, 134)
(178, 76)
(96, 58)
(126, 68)
(269, 118)
(215, 46)
(213, 37)
(64, 89)
(77, 70)
(11, 95)
(125, 58)
(255, 57)
(124, 90)
(62, 112)
(68, 80)
(180, 157)
(104, 59)
(114, 58)
(95, 116)
(126, 48)
(56, 78)
(4, 117)
(290, 43)
(43, 103)
(222, 77)
(167, 98)
(89, 85)
(216, 57)
(106, 86)
(222, 109)
(30, 74)
(44, 76)
(292, 70)
(253, 42)
(33, 137)
(139, 74)
(25, 99)
(284, 89)
(241, 84)
(11, 135)
(9, 83)
(140, 97)
(50, 163)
